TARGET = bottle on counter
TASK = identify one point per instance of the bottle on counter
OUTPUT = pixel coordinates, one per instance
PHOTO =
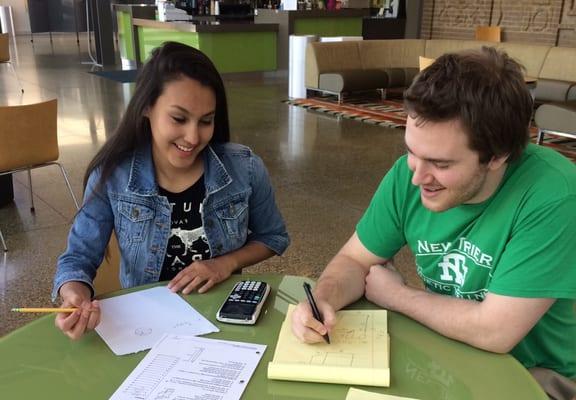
(193, 4)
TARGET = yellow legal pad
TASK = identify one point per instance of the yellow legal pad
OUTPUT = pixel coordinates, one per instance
(358, 353)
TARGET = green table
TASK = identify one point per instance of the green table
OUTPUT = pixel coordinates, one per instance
(37, 361)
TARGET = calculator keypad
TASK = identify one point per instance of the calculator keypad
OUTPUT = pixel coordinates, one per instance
(250, 292)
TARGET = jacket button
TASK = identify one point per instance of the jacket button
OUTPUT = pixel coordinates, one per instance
(209, 223)
(135, 213)
(219, 247)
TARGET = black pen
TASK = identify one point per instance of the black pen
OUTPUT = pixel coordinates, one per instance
(314, 307)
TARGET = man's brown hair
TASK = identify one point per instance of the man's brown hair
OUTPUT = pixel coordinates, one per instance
(483, 89)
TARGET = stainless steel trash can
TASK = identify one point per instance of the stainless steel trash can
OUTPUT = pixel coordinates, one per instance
(297, 64)
(6, 20)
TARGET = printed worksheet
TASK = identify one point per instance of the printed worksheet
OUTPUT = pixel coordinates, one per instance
(192, 368)
(134, 322)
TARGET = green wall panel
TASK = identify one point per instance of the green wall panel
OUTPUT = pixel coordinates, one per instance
(229, 51)
(150, 38)
(336, 26)
(125, 37)
(240, 51)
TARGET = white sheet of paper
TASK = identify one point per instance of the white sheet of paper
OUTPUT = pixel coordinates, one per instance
(357, 394)
(136, 321)
(188, 367)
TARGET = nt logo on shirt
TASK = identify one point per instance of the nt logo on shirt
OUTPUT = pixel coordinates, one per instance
(451, 272)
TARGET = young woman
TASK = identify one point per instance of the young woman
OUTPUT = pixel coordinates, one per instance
(185, 204)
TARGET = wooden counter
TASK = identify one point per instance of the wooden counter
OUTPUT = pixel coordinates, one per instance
(208, 27)
(233, 47)
(345, 22)
(125, 13)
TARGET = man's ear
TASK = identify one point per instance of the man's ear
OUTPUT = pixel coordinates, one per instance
(497, 162)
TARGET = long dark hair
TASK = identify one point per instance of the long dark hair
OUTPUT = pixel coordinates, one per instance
(169, 62)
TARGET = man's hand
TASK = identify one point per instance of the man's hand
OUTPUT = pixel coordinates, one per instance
(87, 315)
(201, 275)
(384, 286)
(308, 329)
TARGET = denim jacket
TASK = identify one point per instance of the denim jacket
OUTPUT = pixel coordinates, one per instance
(239, 207)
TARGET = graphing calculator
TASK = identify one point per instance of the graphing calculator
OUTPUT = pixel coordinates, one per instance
(243, 304)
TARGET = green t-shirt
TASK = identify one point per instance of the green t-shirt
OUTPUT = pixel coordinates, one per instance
(521, 242)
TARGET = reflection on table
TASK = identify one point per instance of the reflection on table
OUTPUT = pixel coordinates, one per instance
(38, 361)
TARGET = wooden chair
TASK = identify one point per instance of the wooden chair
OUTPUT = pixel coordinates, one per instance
(107, 279)
(488, 33)
(28, 140)
(425, 62)
(5, 56)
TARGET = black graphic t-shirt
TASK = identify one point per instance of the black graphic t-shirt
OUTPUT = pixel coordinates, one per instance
(187, 242)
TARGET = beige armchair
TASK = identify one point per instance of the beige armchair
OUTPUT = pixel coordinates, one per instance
(28, 140)
(557, 119)
(5, 56)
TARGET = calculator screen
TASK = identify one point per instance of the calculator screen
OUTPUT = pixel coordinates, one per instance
(238, 311)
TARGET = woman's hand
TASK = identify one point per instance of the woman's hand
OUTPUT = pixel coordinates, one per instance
(308, 329)
(201, 275)
(87, 315)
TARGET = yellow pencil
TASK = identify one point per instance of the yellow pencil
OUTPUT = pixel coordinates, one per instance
(43, 310)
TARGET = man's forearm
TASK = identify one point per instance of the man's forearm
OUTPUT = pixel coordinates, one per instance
(455, 318)
(497, 324)
(342, 282)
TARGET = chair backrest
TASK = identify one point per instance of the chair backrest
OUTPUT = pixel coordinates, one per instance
(4, 48)
(107, 278)
(28, 135)
(488, 33)
(425, 62)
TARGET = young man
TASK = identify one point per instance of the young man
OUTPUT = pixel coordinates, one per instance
(490, 219)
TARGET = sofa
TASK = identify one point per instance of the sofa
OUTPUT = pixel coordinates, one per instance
(344, 67)
(556, 118)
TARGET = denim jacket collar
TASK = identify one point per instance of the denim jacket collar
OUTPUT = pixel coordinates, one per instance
(215, 175)
(142, 179)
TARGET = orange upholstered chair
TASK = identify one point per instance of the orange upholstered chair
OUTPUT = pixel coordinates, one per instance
(28, 140)
(107, 278)
(5, 56)
(488, 33)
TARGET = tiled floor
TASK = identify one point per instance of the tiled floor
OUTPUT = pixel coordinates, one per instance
(324, 170)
